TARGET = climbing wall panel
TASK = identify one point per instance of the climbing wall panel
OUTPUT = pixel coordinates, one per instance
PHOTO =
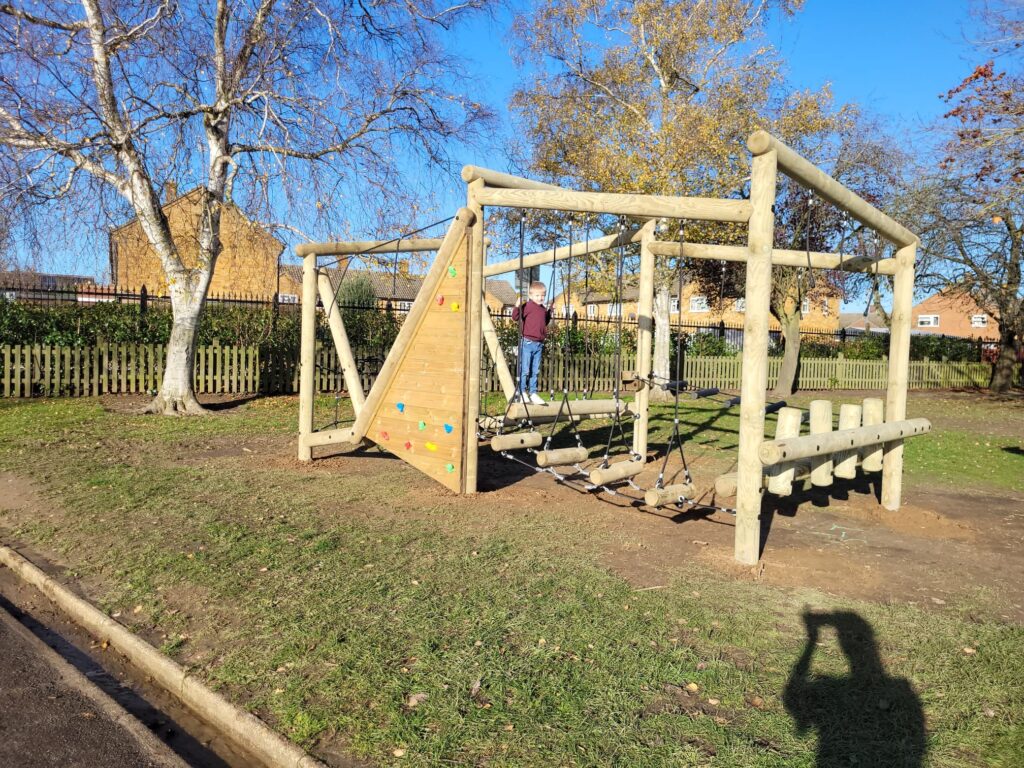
(420, 416)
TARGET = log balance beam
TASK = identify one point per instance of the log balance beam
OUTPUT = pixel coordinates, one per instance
(773, 452)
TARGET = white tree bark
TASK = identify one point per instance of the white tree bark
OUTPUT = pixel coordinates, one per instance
(661, 369)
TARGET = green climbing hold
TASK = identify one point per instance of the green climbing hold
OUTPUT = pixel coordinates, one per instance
(450, 467)
(452, 272)
(422, 425)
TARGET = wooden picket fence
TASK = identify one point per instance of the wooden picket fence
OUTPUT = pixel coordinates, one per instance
(34, 370)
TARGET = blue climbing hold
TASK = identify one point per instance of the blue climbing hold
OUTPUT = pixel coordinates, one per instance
(448, 428)
(400, 407)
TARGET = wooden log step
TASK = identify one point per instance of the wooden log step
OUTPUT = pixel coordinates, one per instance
(516, 441)
(557, 457)
(575, 407)
(618, 471)
(670, 494)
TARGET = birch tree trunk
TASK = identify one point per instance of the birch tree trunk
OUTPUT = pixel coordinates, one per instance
(661, 367)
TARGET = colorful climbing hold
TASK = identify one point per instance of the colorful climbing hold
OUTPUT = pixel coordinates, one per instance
(455, 306)
(448, 428)
(408, 445)
(422, 425)
(431, 446)
(452, 272)
(385, 436)
(440, 300)
(450, 467)
(400, 407)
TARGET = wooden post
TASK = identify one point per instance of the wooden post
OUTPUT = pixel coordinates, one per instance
(846, 462)
(307, 356)
(508, 384)
(644, 340)
(821, 423)
(474, 327)
(780, 478)
(899, 368)
(755, 357)
(345, 357)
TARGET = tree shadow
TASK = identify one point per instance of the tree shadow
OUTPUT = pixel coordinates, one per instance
(864, 718)
(1015, 450)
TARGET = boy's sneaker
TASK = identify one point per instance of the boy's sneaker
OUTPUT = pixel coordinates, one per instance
(535, 399)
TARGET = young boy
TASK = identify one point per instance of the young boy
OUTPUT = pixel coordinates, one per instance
(534, 319)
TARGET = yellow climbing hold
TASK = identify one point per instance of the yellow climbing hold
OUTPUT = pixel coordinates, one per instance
(431, 446)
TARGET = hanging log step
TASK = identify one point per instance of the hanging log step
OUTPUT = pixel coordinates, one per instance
(575, 407)
(618, 471)
(516, 441)
(670, 494)
(559, 457)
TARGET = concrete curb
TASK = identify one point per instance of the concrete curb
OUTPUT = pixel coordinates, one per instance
(244, 729)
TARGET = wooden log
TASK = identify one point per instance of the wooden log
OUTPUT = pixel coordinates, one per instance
(475, 308)
(725, 485)
(747, 546)
(471, 173)
(644, 340)
(576, 407)
(670, 494)
(873, 412)
(347, 361)
(780, 477)
(307, 356)
(699, 208)
(776, 451)
(805, 172)
(780, 257)
(341, 248)
(821, 424)
(516, 441)
(557, 457)
(581, 248)
(505, 379)
(329, 437)
(899, 373)
(500, 422)
(453, 239)
(618, 471)
(846, 461)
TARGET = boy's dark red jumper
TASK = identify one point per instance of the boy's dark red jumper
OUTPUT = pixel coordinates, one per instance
(534, 322)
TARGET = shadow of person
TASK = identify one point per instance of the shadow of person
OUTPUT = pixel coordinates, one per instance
(865, 718)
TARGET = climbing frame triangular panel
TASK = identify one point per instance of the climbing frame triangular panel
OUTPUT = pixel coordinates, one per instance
(420, 416)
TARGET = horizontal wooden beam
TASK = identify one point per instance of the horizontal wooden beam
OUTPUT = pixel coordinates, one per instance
(780, 257)
(812, 177)
(575, 407)
(330, 437)
(774, 452)
(551, 255)
(343, 247)
(491, 178)
(648, 206)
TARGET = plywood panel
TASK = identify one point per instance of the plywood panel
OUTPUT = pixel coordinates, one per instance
(419, 418)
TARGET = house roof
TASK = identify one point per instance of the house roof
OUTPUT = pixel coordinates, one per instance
(389, 286)
(26, 279)
(857, 320)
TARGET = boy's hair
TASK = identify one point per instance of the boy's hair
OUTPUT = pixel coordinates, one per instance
(537, 285)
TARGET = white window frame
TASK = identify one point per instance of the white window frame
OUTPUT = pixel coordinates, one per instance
(740, 305)
(614, 309)
(591, 311)
(699, 304)
(805, 306)
(979, 321)
(287, 298)
(402, 306)
(927, 321)
(673, 305)
(825, 309)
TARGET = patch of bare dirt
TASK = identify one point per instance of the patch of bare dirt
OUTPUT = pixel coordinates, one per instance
(135, 404)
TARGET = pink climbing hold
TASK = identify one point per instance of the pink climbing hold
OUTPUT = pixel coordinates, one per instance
(440, 300)
(385, 436)
(408, 445)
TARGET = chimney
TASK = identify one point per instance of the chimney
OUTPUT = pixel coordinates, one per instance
(170, 191)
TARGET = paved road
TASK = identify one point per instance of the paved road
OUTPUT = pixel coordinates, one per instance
(51, 716)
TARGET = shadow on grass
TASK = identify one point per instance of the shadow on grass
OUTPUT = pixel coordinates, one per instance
(1015, 450)
(865, 717)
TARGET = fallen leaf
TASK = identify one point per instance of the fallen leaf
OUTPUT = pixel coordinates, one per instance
(474, 689)
(970, 651)
(692, 687)
(398, 752)
(415, 700)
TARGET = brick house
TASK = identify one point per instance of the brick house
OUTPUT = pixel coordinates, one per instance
(397, 289)
(954, 313)
(247, 265)
(819, 314)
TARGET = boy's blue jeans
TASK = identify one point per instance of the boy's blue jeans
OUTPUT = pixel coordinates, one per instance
(529, 365)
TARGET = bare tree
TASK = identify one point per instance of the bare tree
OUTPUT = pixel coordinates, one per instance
(272, 105)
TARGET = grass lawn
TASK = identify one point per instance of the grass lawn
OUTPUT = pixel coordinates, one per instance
(371, 611)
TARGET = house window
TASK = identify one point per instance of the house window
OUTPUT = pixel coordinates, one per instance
(591, 311)
(10, 295)
(825, 308)
(805, 306)
(673, 306)
(614, 310)
(287, 298)
(698, 304)
(979, 321)
(403, 306)
(927, 321)
(741, 305)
